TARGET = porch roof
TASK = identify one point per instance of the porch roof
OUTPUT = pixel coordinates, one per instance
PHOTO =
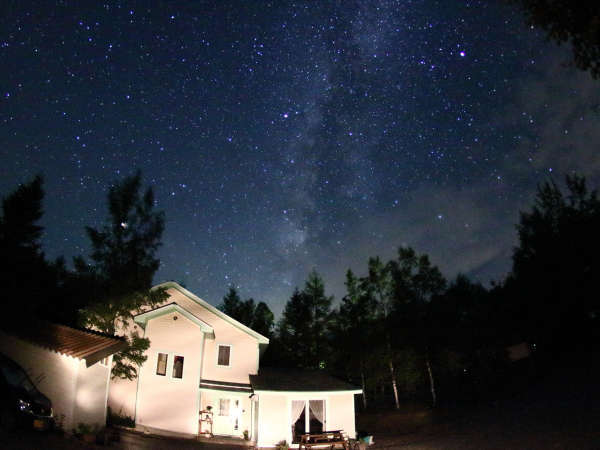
(298, 380)
(88, 345)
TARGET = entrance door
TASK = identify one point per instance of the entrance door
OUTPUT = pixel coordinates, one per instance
(227, 417)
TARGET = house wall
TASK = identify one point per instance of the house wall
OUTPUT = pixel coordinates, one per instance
(244, 348)
(122, 396)
(91, 393)
(78, 394)
(275, 411)
(225, 425)
(164, 402)
(273, 419)
(342, 415)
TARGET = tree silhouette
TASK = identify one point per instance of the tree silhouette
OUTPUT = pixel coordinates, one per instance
(573, 22)
(256, 316)
(24, 268)
(555, 265)
(304, 326)
(124, 262)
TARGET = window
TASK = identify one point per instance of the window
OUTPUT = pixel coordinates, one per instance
(307, 417)
(178, 367)
(224, 355)
(161, 364)
(223, 407)
(104, 362)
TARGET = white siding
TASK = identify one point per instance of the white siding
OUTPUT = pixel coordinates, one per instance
(274, 419)
(225, 426)
(164, 402)
(341, 413)
(244, 348)
(78, 394)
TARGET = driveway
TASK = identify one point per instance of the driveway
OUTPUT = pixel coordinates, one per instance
(128, 440)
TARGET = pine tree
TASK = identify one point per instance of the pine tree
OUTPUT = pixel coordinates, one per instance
(304, 326)
(256, 316)
(23, 267)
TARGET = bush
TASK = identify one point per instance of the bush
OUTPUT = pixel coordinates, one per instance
(113, 418)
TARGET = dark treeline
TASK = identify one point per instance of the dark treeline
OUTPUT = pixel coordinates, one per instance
(402, 331)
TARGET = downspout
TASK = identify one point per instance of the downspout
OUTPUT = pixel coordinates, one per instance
(137, 387)
(199, 404)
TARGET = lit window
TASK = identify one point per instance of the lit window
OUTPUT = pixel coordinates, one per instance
(161, 364)
(224, 407)
(224, 355)
(178, 367)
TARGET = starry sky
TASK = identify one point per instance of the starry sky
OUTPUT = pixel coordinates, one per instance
(285, 136)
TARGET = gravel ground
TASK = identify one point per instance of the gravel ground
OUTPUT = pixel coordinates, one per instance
(560, 412)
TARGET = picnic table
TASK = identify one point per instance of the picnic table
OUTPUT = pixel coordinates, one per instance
(326, 439)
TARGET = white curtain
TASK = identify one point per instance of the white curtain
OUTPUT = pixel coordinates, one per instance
(317, 407)
(297, 408)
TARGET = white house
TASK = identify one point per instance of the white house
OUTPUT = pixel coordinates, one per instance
(71, 367)
(200, 359)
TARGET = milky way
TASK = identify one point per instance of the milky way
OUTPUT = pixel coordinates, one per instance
(285, 136)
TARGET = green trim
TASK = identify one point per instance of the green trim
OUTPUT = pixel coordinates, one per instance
(265, 391)
(171, 284)
(144, 317)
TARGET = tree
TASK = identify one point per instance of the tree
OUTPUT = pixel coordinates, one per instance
(555, 263)
(231, 304)
(416, 283)
(303, 328)
(124, 264)
(379, 286)
(24, 268)
(264, 320)
(575, 22)
(258, 317)
(352, 331)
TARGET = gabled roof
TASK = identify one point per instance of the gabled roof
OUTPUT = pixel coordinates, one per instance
(143, 318)
(173, 285)
(82, 344)
(298, 380)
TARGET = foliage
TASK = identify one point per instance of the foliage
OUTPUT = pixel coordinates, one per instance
(352, 331)
(555, 263)
(119, 282)
(258, 317)
(282, 445)
(304, 326)
(574, 22)
(113, 418)
(23, 266)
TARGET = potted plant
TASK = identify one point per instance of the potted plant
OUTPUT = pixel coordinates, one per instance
(282, 445)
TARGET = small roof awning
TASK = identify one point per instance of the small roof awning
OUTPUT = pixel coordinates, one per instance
(225, 386)
(89, 345)
(144, 317)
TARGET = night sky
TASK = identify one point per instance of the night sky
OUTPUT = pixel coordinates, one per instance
(284, 136)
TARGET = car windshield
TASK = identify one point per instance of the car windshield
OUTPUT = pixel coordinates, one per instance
(17, 378)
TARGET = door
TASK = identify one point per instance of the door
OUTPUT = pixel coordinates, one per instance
(308, 416)
(227, 417)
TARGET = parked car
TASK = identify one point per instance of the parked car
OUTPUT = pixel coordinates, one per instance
(21, 403)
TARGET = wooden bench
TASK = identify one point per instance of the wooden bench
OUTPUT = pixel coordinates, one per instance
(326, 439)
